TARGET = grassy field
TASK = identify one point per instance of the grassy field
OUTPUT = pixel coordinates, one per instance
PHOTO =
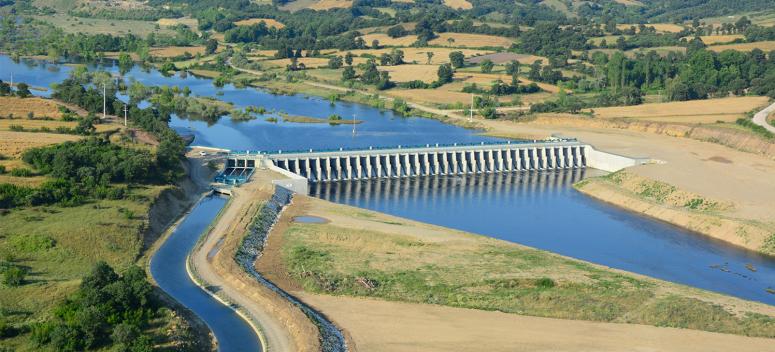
(697, 111)
(59, 245)
(763, 18)
(170, 22)
(385, 39)
(270, 22)
(361, 253)
(72, 24)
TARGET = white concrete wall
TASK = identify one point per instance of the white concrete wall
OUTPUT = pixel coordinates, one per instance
(607, 161)
(293, 182)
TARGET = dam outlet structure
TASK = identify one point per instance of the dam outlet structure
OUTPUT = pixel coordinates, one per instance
(316, 166)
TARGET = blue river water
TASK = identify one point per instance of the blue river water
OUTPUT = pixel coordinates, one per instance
(540, 210)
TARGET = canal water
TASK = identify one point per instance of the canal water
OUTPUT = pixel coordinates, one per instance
(536, 209)
(168, 268)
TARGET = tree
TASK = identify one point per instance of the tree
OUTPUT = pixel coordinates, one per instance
(430, 56)
(23, 90)
(396, 31)
(535, 71)
(211, 46)
(512, 69)
(125, 62)
(445, 74)
(457, 59)
(375, 44)
(335, 62)
(348, 58)
(348, 73)
(486, 65)
(396, 57)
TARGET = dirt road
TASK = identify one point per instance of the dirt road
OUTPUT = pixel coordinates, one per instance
(761, 118)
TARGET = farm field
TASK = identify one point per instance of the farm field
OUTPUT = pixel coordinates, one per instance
(19, 107)
(765, 46)
(173, 51)
(471, 40)
(316, 5)
(698, 111)
(270, 22)
(419, 55)
(719, 39)
(659, 27)
(458, 4)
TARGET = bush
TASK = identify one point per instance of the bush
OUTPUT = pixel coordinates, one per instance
(2, 169)
(14, 276)
(545, 282)
(21, 172)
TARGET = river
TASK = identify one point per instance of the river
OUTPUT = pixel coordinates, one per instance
(536, 209)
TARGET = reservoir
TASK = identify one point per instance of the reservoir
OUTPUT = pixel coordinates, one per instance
(538, 209)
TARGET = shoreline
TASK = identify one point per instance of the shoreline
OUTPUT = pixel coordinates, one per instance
(611, 195)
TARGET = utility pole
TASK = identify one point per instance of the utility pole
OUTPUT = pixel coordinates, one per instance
(471, 111)
(104, 102)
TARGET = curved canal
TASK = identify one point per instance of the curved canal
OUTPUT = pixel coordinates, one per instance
(536, 209)
(168, 267)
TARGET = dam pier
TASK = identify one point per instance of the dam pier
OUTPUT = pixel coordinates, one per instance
(316, 166)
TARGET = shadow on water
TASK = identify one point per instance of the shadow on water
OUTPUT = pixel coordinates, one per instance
(542, 210)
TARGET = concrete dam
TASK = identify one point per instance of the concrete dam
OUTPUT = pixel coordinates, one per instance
(314, 166)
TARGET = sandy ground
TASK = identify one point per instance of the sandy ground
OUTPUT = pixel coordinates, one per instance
(283, 326)
(392, 326)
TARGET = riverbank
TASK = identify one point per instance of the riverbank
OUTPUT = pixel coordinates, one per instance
(394, 284)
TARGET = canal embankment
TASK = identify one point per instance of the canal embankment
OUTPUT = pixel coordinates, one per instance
(284, 327)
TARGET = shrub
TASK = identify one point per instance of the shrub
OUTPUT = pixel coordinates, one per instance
(545, 282)
(14, 276)
(21, 172)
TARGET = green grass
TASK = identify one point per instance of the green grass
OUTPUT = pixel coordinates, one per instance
(59, 245)
(492, 275)
(72, 24)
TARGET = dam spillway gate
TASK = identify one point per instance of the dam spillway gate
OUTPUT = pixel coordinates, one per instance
(428, 160)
